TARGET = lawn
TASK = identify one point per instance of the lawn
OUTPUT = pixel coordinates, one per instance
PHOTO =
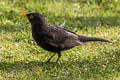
(22, 59)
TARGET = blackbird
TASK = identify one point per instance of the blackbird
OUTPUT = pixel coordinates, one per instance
(55, 39)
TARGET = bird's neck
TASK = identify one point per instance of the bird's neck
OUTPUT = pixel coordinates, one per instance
(39, 26)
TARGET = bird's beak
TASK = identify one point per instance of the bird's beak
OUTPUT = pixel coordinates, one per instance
(23, 14)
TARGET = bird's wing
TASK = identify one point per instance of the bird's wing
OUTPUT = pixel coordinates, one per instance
(61, 38)
(65, 39)
(53, 36)
(72, 40)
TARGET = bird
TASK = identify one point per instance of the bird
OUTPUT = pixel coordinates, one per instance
(55, 39)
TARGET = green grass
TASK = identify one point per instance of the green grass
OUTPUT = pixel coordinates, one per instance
(22, 59)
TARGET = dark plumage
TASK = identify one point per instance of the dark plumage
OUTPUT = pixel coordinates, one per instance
(55, 39)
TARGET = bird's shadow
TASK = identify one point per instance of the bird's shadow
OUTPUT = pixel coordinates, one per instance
(98, 65)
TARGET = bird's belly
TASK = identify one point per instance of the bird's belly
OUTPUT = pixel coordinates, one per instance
(52, 48)
(49, 47)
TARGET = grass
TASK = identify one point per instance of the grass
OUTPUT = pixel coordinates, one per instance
(22, 59)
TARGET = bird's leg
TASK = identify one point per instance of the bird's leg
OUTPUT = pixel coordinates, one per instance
(59, 55)
(50, 58)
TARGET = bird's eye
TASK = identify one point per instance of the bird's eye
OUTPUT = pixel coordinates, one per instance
(31, 17)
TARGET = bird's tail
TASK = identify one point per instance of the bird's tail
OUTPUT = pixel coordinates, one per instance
(87, 39)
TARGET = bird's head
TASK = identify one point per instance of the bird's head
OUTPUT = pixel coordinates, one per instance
(34, 18)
